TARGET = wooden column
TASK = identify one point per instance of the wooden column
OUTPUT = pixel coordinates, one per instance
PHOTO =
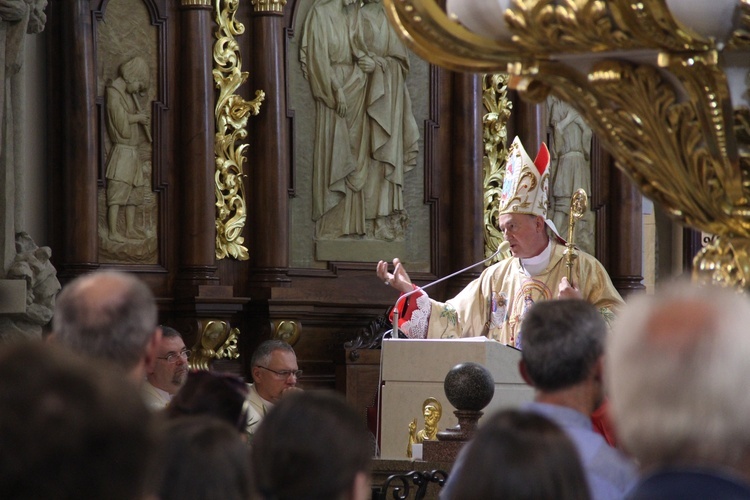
(79, 139)
(626, 234)
(530, 125)
(195, 170)
(269, 152)
(465, 180)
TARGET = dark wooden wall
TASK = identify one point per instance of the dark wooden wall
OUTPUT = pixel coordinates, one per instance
(265, 296)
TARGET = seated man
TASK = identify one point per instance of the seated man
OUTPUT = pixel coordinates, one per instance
(517, 454)
(71, 428)
(215, 394)
(275, 372)
(169, 372)
(312, 445)
(112, 316)
(561, 358)
(494, 304)
(677, 377)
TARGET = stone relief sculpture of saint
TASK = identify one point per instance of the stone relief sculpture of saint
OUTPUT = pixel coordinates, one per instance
(125, 171)
(364, 143)
(570, 169)
(394, 134)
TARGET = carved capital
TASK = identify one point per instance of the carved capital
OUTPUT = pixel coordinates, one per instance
(268, 5)
(195, 3)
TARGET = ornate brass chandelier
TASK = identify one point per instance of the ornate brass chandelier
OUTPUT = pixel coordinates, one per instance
(661, 82)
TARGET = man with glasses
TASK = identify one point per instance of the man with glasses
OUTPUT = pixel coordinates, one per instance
(275, 373)
(169, 373)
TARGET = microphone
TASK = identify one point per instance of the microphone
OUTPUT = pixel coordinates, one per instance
(503, 247)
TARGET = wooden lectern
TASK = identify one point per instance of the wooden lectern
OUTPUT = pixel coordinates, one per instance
(413, 370)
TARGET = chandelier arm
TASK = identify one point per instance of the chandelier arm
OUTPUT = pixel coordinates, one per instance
(635, 113)
(707, 88)
(427, 30)
(651, 22)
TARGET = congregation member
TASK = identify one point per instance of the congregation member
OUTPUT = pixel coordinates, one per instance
(494, 304)
(204, 458)
(562, 359)
(677, 375)
(219, 395)
(312, 445)
(112, 316)
(275, 373)
(169, 372)
(71, 428)
(536, 460)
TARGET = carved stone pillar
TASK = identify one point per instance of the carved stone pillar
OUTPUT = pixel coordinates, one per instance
(269, 153)
(79, 154)
(197, 257)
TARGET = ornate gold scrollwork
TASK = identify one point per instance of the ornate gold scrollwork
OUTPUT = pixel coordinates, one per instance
(652, 90)
(495, 141)
(231, 116)
(216, 341)
(725, 262)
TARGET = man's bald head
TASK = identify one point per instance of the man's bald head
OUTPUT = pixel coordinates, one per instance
(677, 369)
(108, 315)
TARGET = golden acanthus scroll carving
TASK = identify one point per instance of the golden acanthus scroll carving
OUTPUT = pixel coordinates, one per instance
(231, 114)
(495, 143)
(217, 340)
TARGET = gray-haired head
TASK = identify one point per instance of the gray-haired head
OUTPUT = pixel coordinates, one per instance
(167, 332)
(677, 371)
(561, 341)
(262, 354)
(109, 315)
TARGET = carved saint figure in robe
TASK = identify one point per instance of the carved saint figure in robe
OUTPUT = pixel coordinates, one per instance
(124, 169)
(394, 134)
(571, 169)
(328, 54)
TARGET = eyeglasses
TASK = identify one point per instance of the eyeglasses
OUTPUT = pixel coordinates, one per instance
(284, 373)
(172, 358)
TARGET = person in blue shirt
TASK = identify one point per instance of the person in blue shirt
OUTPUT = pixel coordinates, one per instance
(562, 350)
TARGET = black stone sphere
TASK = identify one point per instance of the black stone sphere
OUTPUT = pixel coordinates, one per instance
(469, 386)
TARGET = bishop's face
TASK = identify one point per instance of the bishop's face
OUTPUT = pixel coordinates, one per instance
(526, 234)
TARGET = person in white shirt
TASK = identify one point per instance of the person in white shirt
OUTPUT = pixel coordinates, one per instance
(169, 372)
(275, 372)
